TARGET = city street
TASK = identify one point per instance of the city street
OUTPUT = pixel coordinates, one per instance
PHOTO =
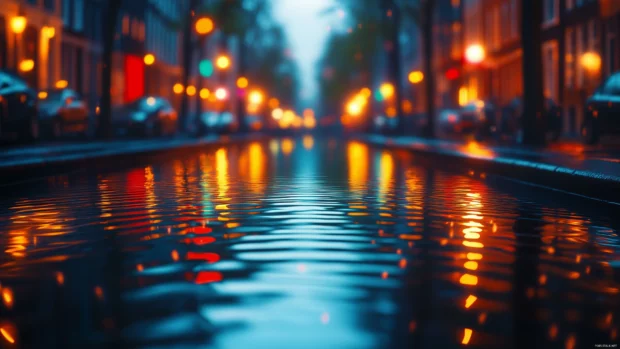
(308, 241)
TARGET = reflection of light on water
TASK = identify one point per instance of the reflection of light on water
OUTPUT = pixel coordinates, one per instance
(357, 156)
(5, 333)
(274, 147)
(257, 166)
(7, 297)
(308, 142)
(476, 150)
(471, 265)
(325, 318)
(221, 168)
(287, 146)
(60, 278)
(470, 300)
(468, 279)
(467, 336)
(386, 174)
(206, 277)
(474, 256)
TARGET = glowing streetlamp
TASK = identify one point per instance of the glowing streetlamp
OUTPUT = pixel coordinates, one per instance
(204, 93)
(60, 84)
(386, 90)
(191, 90)
(223, 62)
(26, 65)
(354, 108)
(415, 77)
(18, 25)
(475, 54)
(221, 94)
(149, 59)
(256, 97)
(277, 114)
(178, 88)
(48, 32)
(242, 82)
(591, 61)
(204, 25)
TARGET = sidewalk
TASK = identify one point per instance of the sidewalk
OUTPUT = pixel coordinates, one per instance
(38, 157)
(590, 172)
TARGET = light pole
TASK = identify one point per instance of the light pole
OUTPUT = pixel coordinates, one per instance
(149, 60)
(18, 25)
(204, 26)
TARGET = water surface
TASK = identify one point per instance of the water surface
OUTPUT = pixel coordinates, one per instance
(303, 243)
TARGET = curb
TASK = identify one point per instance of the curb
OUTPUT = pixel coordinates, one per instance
(44, 165)
(587, 183)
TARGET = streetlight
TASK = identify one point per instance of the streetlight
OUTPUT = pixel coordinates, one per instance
(149, 59)
(475, 54)
(191, 90)
(221, 94)
(242, 82)
(178, 88)
(60, 84)
(18, 25)
(223, 62)
(204, 25)
(386, 90)
(591, 61)
(26, 65)
(256, 97)
(415, 77)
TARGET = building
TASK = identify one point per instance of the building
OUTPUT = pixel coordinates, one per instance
(570, 29)
(82, 47)
(37, 48)
(448, 52)
(163, 41)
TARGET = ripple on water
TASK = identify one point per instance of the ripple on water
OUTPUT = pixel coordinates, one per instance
(329, 245)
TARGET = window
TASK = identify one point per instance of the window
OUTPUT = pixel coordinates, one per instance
(550, 12)
(125, 25)
(78, 15)
(570, 4)
(66, 12)
(514, 19)
(550, 52)
(579, 40)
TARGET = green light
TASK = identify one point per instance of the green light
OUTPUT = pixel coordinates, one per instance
(206, 68)
(378, 96)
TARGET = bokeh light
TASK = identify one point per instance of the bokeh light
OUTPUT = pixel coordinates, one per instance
(204, 26)
(206, 68)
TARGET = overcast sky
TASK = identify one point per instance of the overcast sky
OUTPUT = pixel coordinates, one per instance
(307, 31)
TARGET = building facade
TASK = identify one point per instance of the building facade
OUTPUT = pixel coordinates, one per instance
(570, 30)
(39, 43)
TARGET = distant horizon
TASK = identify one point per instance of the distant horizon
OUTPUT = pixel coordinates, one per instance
(306, 32)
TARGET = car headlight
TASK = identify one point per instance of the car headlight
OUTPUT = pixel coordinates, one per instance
(138, 116)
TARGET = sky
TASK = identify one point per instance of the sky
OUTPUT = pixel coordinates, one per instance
(307, 31)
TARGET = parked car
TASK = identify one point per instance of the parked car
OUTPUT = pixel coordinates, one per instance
(449, 122)
(18, 109)
(146, 116)
(602, 114)
(478, 118)
(216, 122)
(511, 119)
(382, 123)
(62, 112)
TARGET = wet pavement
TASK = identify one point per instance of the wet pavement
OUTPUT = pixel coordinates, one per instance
(303, 243)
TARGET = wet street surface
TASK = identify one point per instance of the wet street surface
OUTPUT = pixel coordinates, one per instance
(303, 243)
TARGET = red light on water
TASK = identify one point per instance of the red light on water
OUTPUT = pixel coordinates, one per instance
(206, 277)
(200, 230)
(200, 240)
(203, 256)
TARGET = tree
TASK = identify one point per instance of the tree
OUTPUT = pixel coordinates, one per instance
(104, 129)
(188, 52)
(422, 12)
(533, 99)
